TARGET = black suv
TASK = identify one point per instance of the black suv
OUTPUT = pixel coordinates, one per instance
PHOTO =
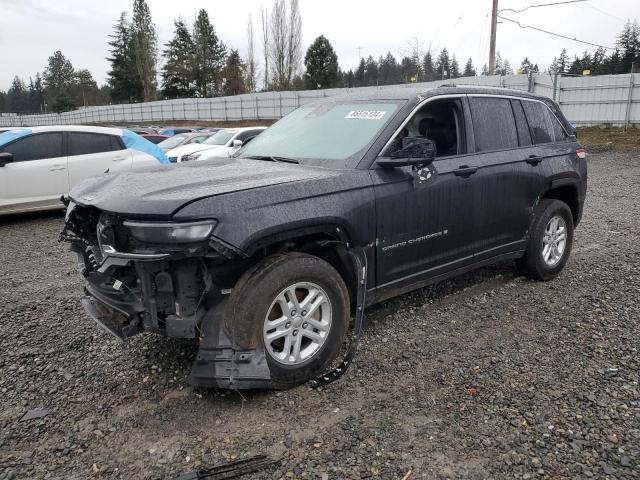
(262, 258)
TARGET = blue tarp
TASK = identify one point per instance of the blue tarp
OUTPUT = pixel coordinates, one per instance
(169, 132)
(136, 142)
(12, 135)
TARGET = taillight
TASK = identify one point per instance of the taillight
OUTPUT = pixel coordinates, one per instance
(581, 152)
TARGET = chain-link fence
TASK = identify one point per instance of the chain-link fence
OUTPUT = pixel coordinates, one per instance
(605, 99)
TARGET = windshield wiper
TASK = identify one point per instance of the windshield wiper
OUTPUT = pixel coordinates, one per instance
(272, 158)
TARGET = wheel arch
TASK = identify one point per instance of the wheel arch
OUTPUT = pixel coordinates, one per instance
(566, 190)
(328, 241)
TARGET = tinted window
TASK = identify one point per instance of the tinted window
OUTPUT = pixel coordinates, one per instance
(558, 132)
(539, 121)
(88, 143)
(493, 123)
(36, 147)
(247, 134)
(524, 136)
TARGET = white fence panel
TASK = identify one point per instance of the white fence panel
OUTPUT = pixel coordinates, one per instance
(605, 99)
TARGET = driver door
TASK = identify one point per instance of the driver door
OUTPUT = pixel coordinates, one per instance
(427, 228)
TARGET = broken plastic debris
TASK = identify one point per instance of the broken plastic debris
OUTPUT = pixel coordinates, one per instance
(472, 390)
(34, 414)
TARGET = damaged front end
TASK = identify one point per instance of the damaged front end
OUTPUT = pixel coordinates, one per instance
(168, 278)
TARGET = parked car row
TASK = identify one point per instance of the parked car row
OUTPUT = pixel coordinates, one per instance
(223, 143)
(38, 165)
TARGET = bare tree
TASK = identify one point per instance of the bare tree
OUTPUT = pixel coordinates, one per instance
(285, 45)
(251, 67)
(265, 44)
(294, 47)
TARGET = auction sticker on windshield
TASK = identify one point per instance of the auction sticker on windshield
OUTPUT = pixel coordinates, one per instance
(366, 114)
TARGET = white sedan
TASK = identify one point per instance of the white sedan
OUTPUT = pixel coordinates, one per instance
(40, 164)
(223, 143)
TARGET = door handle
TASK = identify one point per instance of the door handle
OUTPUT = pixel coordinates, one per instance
(53, 168)
(534, 160)
(118, 159)
(465, 171)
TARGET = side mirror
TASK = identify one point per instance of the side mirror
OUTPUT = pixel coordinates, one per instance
(236, 143)
(5, 157)
(414, 151)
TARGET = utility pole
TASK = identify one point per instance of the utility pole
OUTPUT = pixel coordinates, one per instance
(492, 44)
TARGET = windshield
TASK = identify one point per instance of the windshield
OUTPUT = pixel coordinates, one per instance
(326, 134)
(172, 142)
(221, 137)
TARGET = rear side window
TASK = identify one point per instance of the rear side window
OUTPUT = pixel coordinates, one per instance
(558, 132)
(36, 147)
(493, 124)
(88, 143)
(539, 119)
(524, 136)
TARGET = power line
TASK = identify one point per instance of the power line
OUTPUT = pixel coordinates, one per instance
(605, 13)
(540, 5)
(554, 34)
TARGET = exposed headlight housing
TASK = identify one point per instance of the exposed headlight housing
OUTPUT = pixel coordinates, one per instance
(163, 232)
(193, 156)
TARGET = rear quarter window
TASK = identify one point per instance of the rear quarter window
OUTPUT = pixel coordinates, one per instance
(90, 143)
(544, 126)
(494, 126)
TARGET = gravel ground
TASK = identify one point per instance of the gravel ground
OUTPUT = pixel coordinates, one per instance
(487, 376)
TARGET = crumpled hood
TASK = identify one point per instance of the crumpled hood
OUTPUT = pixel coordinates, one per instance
(162, 190)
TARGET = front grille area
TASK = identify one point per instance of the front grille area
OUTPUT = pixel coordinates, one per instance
(173, 159)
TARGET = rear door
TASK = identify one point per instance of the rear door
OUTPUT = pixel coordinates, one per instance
(91, 154)
(38, 175)
(509, 184)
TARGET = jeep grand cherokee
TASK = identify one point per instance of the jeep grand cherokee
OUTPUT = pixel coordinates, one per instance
(263, 258)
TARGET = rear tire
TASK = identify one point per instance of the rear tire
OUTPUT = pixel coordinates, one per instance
(550, 240)
(267, 306)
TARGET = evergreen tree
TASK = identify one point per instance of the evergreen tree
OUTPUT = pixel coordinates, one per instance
(597, 61)
(485, 70)
(210, 56)
(561, 64)
(629, 46)
(178, 79)
(370, 72)
(321, 63)
(428, 69)
(526, 67)
(234, 74)
(348, 79)
(613, 63)
(388, 70)
(145, 48)
(408, 69)
(455, 68)
(4, 102)
(59, 80)
(469, 71)
(123, 80)
(18, 97)
(36, 94)
(443, 65)
(359, 74)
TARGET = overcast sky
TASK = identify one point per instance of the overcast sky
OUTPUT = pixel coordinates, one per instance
(31, 30)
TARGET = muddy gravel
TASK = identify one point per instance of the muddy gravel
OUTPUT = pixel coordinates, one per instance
(488, 376)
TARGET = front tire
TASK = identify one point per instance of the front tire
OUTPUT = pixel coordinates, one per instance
(296, 307)
(550, 241)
